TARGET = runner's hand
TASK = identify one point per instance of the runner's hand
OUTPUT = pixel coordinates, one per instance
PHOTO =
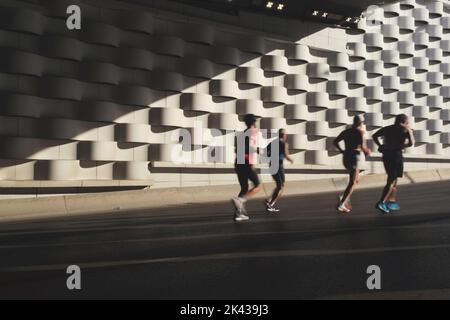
(406, 126)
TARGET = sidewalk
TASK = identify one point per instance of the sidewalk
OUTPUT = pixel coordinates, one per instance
(56, 206)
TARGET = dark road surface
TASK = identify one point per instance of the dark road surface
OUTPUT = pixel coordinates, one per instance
(198, 252)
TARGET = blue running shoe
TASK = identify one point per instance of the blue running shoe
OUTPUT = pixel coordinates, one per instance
(393, 206)
(383, 207)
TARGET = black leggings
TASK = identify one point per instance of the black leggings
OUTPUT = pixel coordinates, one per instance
(245, 172)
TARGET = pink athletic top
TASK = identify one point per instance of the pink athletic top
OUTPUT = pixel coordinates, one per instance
(251, 154)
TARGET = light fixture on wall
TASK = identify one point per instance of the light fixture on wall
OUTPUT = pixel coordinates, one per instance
(319, 13)
(336, 19)
(351, 21)
(279, 6)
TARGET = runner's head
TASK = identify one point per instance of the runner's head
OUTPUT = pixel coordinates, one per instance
(282, 134)
(358, 121)
(401, 119)
(250, 121)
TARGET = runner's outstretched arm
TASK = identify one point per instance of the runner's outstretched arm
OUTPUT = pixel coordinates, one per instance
(411, 139)
(288, 155)
(376, 137)
(364, 147)
(336, 142)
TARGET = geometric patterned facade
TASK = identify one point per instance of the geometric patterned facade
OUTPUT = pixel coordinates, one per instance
(101, 105)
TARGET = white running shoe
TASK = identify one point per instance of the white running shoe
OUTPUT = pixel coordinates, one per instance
(272, 209)
(241, 217)
(342, 208)
(348, 205)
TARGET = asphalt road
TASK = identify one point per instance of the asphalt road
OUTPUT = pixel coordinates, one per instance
(198, 252)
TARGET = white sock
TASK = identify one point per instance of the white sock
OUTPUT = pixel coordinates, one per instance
(243, 200)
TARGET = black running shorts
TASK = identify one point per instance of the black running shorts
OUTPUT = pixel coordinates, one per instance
(245, 172)
(393, 163)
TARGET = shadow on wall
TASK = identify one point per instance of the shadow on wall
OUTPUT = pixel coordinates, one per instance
(111, 95)
(103, 102)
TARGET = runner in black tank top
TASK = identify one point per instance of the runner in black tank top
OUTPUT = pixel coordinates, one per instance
(279, 177)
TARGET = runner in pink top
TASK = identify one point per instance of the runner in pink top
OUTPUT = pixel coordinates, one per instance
(252, 154)
(247, 157)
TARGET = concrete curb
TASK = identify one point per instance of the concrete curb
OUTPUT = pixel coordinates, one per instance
(57, 206)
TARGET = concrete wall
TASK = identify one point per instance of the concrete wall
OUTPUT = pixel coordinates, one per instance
(102, 104)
